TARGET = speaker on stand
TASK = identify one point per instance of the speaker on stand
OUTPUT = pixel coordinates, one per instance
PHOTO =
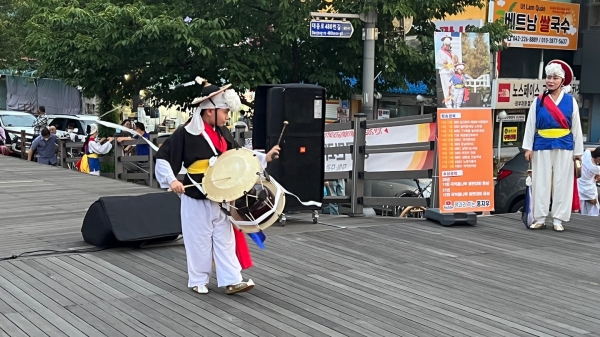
(300, 168)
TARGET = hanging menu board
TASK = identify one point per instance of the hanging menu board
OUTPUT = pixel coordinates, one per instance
(465, 160)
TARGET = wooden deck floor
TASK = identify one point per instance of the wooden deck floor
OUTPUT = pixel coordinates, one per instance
(375, 277)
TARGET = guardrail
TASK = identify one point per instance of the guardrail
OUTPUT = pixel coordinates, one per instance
(359, 151)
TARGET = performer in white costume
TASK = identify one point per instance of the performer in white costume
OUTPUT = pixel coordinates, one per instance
(590, 173)
(553, 141)
(207, 232)
(446, 68)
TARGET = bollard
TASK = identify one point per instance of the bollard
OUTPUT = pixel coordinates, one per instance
(358, 166)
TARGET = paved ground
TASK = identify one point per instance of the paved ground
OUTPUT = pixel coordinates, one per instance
(342, 277)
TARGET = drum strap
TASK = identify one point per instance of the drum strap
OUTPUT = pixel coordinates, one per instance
(196, 184)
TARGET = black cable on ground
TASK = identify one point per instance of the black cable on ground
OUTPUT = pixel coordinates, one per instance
(49, 252)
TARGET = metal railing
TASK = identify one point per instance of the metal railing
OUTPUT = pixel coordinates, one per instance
(70, 152)
(359, 151)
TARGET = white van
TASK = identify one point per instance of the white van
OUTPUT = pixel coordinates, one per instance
(13, 122)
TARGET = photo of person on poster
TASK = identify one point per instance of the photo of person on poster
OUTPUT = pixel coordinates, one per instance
(463, 65)
(444, 61)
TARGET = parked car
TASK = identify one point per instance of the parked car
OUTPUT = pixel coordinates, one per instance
(394, 188)
(13, 122)
(509, 191)
(80, 122)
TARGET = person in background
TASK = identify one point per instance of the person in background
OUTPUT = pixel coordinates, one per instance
(52, 129)
(93, 148)
(141, 149)
(46, 146)
(590, 174)
(40, 122)
(126, 123)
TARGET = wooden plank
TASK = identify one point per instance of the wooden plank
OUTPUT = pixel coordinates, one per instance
(104, 327)
(9, 328)
(25, 325)
(106, 319)
(36, 286)
(167, 318)
(40, 322)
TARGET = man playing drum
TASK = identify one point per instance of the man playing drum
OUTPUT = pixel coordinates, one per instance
(207, 231)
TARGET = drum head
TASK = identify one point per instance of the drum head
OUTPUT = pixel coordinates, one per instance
(234, 173)
(257, 208)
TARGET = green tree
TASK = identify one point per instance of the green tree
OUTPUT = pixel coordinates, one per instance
(113, 50)
(13, 15)
(94, 43)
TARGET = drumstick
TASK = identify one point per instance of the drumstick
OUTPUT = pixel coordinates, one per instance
(190, 185)
(275, 155)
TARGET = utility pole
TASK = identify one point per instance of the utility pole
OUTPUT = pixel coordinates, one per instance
(343, 29)
(369, 36)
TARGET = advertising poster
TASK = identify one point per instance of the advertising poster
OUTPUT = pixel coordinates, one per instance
(463, 65)
(509, 134)
(539, 24)
(465, 160)
(381, 162)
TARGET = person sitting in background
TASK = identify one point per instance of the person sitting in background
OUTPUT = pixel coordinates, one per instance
(46, 146)
(141, 149)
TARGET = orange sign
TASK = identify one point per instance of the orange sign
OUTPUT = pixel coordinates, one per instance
(465, 160)
(539, 24)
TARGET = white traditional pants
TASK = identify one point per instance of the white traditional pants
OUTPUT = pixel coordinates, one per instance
(445, 79)
(589, 209)
(552, 177)
(458, 96)
(208, 234)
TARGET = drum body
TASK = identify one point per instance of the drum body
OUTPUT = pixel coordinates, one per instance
(237, 180)
(260, 208)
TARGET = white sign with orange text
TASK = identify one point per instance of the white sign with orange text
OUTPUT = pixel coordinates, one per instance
(381, 162)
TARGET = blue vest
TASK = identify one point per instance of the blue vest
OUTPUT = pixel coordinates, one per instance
(544, 120)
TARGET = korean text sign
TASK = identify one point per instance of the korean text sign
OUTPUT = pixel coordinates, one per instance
(465, 160)
(539, 24)
(515, 93)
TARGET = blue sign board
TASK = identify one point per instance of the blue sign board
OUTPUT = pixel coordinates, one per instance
(331, 28)
(345, 104)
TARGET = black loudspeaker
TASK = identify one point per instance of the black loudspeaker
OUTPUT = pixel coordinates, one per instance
(132, 220)
(300, 168)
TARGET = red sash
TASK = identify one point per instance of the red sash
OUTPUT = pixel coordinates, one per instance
(555, 112)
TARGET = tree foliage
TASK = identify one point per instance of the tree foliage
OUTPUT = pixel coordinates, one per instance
(13, 15)
(95, 43)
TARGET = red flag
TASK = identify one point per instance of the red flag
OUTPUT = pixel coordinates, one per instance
(241, 249)
(576, 206)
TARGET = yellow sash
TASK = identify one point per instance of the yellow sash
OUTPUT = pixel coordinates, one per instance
(553, 133)
(92, 155)
(198, 167)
